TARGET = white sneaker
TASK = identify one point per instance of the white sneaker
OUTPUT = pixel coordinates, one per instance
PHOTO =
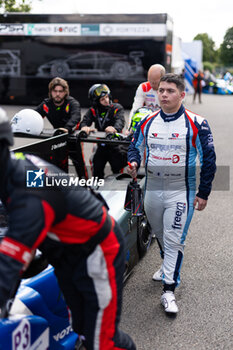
(168, 300)
(158, 275)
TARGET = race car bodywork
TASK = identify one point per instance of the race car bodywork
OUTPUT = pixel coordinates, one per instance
(39, 318)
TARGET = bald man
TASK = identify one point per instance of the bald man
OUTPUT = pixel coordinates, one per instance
(146, 94)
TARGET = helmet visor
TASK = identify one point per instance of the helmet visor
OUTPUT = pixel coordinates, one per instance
(101, 90)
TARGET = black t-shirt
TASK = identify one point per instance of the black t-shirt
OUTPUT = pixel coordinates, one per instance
(67, 115)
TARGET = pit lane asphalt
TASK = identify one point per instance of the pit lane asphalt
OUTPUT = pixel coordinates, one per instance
(204, 298)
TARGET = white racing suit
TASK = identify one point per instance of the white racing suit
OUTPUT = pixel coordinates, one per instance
(172, 143)
(145, 97)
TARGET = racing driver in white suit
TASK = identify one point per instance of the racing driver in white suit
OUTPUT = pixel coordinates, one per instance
(146, 93)
(172, 138)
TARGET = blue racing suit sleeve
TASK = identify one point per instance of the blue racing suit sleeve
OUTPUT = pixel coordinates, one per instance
(207, 156)
(137, 146)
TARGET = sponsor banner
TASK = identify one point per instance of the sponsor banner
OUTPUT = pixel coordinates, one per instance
(12, 29)
(133, 29)
(56, 29)
(41, 29)
(90, 29)
(78, 29)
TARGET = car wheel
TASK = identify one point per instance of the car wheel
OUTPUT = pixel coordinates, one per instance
(120, 70)
(60, 69)
(144, 235)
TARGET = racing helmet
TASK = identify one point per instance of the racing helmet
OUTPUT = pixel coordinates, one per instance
(5, 129)
(140, 114)
(27, 121)
(97, 91)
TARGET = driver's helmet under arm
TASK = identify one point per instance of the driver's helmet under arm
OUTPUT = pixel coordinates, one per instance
(27, 121)
(140, 114)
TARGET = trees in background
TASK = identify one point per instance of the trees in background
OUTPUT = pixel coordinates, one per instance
(214, 58)
(15, 6)
(226, 48)
(209, 51)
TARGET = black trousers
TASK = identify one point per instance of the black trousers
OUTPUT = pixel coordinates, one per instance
(110, 154)
(92, 287)
(76, 155)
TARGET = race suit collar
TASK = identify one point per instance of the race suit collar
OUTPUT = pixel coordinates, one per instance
(172, 117)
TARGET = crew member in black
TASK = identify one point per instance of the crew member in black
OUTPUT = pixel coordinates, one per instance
(75, 232)
(63, 112)
(108, 117)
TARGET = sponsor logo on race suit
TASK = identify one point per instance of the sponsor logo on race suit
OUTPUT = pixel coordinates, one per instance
(164, 148)
(154, 135)
(174, 136)
(175, 158)
(180, 210)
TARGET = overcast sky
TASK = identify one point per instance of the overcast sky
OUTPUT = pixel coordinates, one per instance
(213, 17)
